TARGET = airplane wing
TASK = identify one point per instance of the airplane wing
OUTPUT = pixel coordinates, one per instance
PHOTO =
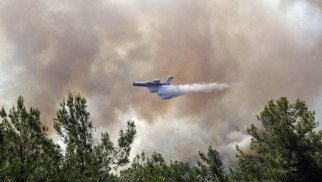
(153, 89)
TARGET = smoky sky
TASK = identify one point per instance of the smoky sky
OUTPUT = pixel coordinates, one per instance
(268, 49)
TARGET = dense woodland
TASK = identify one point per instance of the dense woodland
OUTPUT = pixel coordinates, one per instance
(287, 147)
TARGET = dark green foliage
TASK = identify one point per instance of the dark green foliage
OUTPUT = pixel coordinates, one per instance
(183, 171)
(211, 168)
(27, 154)
(154, 168)
(85, 159)
(109, 157)
(73, 125)
(288, 148)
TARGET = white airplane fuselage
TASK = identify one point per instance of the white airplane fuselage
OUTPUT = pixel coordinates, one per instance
(153, 86)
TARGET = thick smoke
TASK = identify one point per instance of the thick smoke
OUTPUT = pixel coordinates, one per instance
(170, 91)
(98, 48)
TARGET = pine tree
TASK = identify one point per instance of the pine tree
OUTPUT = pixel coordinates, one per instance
(211, 167)
(26, 152)
(287, 148)
(86, 160)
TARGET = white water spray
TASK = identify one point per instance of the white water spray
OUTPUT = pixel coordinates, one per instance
(170, 91)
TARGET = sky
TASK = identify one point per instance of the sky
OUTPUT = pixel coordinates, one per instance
(266, 49)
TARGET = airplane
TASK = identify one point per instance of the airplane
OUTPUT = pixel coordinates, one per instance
(153, 85)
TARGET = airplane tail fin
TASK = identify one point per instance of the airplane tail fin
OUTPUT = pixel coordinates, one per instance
(168, 81)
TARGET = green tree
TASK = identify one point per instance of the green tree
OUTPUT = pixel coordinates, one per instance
(110, 157)
(86, 160)
(183, 171)
(154, 168)
(146, 169)
(211, 168)
(26, 152)
(287, 148)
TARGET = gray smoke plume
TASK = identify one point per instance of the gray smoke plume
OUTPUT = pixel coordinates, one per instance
(170, 91)
(96, 48)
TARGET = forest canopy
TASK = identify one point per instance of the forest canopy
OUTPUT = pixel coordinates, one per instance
(286, 147)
